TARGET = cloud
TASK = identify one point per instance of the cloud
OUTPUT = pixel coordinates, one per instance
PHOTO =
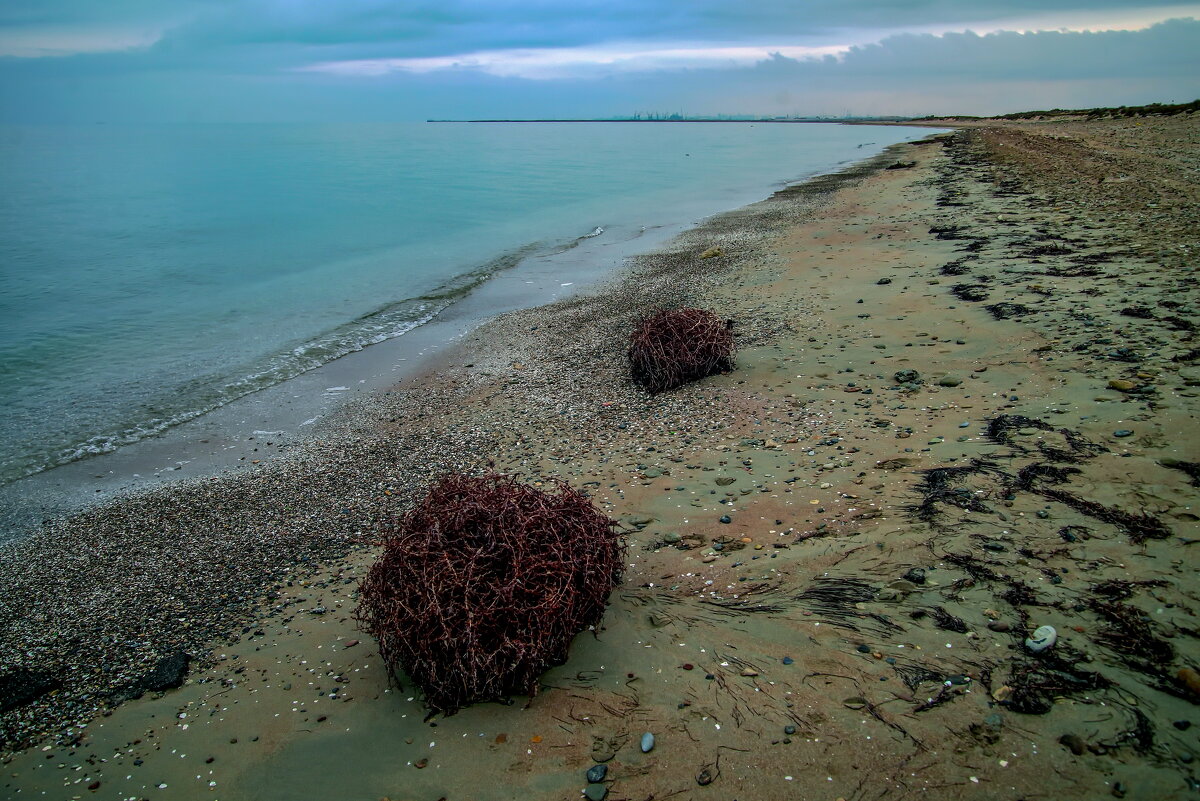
(578, 62)
(612, 58)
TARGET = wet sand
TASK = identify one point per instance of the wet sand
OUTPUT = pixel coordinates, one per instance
(1039, 278)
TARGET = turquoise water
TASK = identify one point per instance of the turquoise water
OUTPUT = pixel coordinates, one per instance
(148, 275)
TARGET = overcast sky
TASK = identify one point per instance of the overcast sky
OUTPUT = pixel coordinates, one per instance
(277, 60)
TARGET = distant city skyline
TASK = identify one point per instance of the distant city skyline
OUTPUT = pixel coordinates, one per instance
(366, 60)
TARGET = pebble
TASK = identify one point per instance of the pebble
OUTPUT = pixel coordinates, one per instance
(855, 702)
(787, 660)
(595, 791)
(647, 743)
(726, 519)
(789, 729)
(1000, 626)
(1122, 432)
(949, 381)
(1043, 638)
(916, 575)
(596, 773)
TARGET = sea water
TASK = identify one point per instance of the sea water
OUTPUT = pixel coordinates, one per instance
(149, 275)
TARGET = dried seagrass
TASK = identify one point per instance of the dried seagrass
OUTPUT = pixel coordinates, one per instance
(675, 346)
(482, 586)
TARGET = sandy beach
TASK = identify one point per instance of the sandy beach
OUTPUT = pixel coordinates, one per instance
(964, 408)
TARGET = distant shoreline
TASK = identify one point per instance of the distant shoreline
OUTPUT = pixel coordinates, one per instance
(839, 121)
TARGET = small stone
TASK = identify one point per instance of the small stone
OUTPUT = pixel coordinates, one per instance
(596, 773)
(1182, 725)
(726, 519)
(916, 575)
(671, 537)
(647, 743)
(949, 381)
(1118, 790)
(1043, 638)
(789, 729)
(855, 702)
(704, 777)
(864, 649)
(884, 281)
(907, 377)
(749, 672)
(1121, 384)
(787, 660)
(595, 791)
(1122, 432)
(1000, 626)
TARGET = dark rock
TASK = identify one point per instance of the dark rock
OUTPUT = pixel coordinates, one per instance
(907, 377)
(595, 792)
(916, 575)
(884, 281)
(787, 660)
(1000, 626)
(596, 773)
(168, 674)
(1182, 725)
(726, 519)
(1123, 432)
(789, 729)
(19, 687)
(1074, 742)
(864, 649)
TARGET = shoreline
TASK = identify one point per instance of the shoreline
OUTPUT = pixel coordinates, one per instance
(806, 428)
(258, 425)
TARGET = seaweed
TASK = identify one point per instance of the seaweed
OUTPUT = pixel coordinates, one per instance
(938, 486)
(1178, 323)
(674, 346)
(1120, 589)
(484, 583)
(944, 620)
(1139, 312)
(970, 564)
(957, 267)
(1057, 248)
(834, 599)
(1006, 310)
(1036, 473)
(947, 231)
(969, 292)
(1129, 632)
(1035, 685)
(916, 675)
(1139, 527)
(1191, 469)
(999, 429)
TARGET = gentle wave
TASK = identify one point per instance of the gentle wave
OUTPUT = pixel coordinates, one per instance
(388, 322)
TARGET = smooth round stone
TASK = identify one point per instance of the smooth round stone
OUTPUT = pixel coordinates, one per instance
(671, 537)
(789, 729)
(1043, 638)
(916, 575)
(596, 773)
(647, 743)
(949, 381)
(595, 792)
(726, 519)
(1122, 432)
(864, 649)
(787, 660)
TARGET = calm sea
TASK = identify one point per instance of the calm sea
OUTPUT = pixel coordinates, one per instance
(148, 275)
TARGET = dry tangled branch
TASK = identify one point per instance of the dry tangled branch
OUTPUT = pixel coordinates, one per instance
(675, 346)
(483, 585)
